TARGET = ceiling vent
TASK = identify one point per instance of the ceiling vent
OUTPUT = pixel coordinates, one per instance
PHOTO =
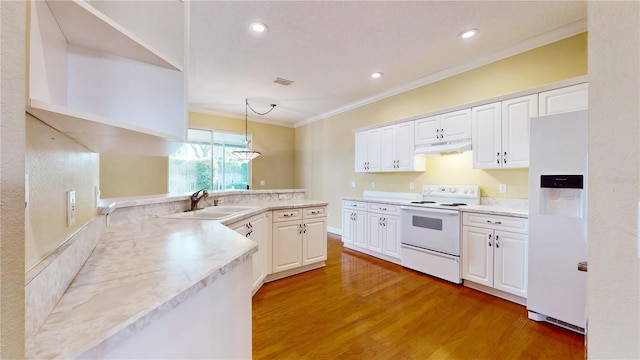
(282, 81)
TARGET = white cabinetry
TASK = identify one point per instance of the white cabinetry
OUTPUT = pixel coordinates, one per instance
(500, 133)
(367, 150)
(299, 238)
(372, 228)
(566, 99)
(258, 229)
(494, 255)
(384, 229)
(354, 222)
(98, 75)
(448, 127)
(397, 149)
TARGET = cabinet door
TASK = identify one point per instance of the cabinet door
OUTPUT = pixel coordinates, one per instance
(427, 130)
(374, 240)
(487, 133)
(406, 148)
(314, 241)
(373, 149)
(347, 226)
(260, 231)
(477, 255)
(456, 125)
(391, 237)
(287, 245)
(566, 99)
(510, 266)
(515, 130)
(361, 151)
(360, 229)
(388, 148)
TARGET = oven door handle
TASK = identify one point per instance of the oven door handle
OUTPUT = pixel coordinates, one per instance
(431, 210)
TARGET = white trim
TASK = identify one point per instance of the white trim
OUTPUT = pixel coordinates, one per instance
(532, 43)
(334, 230)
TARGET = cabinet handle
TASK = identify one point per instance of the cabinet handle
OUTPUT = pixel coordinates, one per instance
(497, 241)
(504, 159)
(288, 214)
(384, 222)
(382, 208)
(379, 221)
(494, 222)
(315, 212)
(299, 228)
(489, 236)
(498, 158)
(305, 229)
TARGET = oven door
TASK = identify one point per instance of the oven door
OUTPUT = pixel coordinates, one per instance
(432, 229)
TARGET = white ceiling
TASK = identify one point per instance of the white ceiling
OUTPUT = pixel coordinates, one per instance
(330, 48)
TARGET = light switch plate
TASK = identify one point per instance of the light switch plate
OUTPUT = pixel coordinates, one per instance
(353, 184)
(503, 188)
(71, 208)
(262, 182)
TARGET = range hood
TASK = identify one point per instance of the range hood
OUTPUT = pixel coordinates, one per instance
(442, 148)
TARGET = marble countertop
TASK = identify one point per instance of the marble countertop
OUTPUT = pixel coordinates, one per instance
(138, 272)
(484, 209)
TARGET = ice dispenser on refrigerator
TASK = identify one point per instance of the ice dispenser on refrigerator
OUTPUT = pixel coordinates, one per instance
(561, 195)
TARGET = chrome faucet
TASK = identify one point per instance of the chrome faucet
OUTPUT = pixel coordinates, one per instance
(196, 197)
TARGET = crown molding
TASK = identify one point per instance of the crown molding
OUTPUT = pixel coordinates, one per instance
(529, 44)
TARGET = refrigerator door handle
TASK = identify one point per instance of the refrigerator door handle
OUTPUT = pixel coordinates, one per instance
(582, 266)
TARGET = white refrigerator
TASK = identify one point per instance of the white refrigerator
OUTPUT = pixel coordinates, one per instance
(557, 285)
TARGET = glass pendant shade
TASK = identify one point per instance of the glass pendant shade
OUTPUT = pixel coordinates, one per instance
(246, 155)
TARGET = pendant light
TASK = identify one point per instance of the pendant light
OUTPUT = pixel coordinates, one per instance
(248, 155)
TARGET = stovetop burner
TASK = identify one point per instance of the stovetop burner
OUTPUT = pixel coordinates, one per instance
(423, 202)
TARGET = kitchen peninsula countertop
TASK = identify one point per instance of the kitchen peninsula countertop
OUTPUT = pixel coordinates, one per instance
(139, 271)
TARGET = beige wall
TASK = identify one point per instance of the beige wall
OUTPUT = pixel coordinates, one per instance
(325, 149)
(125, 175)
(12, 87)
(55, 164)
(128, 175)
(614, 169)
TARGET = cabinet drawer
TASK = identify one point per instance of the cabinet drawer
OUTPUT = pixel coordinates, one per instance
(507, 223)
(384, 208)
(348, 204)
(286, 215)
(315, 212)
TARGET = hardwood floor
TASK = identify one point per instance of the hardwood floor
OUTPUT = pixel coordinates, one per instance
(360, 307)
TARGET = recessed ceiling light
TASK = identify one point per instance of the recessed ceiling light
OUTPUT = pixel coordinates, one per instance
(258, 27)
(376, 75)
(468, 33)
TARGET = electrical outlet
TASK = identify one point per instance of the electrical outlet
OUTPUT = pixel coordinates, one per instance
(503, 188)
(373, 185)
(411, 186)
(71, 208)
(353, 184)
(262, 182)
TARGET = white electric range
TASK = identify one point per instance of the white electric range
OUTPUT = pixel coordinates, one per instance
(430, 230)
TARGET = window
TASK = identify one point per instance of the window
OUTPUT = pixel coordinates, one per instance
(206, 161)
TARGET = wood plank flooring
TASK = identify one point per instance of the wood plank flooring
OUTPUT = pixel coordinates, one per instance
(360, 307)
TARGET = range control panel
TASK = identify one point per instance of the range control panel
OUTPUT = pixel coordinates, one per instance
(461, 192)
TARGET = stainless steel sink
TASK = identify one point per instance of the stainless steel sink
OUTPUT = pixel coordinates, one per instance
(211, 213)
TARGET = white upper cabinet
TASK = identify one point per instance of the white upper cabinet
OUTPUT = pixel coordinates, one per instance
(387, 149)
(566, 99)
(105, 78)
(397, 148)
(501, 133)
(448, 127)
(367, 150)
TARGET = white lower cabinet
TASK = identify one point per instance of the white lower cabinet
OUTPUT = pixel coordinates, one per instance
(299, 238)
(494, 254)
(354, 222)
(372, 228)
(258, 229)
